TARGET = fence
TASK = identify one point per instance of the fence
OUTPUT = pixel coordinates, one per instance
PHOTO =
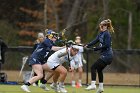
(124, 70)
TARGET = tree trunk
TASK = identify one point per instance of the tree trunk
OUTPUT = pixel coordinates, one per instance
(55, 14)
(105, 7)
(45, 14)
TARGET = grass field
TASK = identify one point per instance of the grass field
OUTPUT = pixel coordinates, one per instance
(108, 89)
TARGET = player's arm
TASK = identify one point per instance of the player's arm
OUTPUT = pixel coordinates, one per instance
(96, 40)
(51, 46)
(56, 48)
(63, 53)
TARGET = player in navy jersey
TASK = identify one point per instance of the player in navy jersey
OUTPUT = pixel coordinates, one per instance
(106, 54)
(37, 59)
(40, 39)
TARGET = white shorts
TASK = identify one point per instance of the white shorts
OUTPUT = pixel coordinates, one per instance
(76, 63)
(52, 65)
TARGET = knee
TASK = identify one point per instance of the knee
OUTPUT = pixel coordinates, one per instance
(80, 70)
(64, 72)
(40, 76)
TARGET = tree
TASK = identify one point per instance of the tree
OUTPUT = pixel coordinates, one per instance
(38, 18)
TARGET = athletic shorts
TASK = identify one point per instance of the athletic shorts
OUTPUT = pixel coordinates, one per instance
(75, 65)
(33, 61)
(52, 65)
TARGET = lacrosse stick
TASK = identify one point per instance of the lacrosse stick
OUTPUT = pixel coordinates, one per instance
(24, 60)
(31, 74)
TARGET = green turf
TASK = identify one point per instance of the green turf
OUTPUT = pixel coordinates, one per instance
(108, 89)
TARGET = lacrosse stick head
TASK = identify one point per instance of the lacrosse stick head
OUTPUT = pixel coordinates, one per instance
(24, 59)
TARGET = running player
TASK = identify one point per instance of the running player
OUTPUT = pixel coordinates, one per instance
(36, 60)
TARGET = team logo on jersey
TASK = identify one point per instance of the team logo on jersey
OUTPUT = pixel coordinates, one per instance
(34, 59)
(38, 50)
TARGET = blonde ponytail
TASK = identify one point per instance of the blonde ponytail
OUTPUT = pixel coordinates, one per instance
(111, 29)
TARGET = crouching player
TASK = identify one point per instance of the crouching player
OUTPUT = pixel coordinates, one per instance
(54, 64)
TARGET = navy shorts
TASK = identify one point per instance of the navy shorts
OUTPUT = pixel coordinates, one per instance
(33, 61)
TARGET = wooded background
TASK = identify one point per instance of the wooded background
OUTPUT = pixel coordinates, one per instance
(21, 20)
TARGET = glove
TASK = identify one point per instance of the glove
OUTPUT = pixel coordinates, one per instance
(86, 46)
(84, 61)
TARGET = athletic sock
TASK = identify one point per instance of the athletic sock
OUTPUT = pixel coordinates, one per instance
(27, 83)
(100, 85)
(80, 81)
(61, 84)
(93, 83)
(43, 81)
(73, 82)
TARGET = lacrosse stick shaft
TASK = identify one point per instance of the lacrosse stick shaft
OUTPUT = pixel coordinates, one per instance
(31, 74)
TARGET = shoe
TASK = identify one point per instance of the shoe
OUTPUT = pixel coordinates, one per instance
(55, 87)
(34, 84)
(91, 87)
(52, 85)
(25, 88)
(73, 85)
(100, 90)
(80, 84)
(63, 90)
(43, 86)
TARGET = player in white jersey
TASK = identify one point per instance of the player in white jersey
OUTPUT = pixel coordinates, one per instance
(77, 64)
(54, 64)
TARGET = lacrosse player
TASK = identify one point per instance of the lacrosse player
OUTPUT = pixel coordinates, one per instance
(40, 39)
(106, 54)
(37, 59)
(54, 63)
(76, 64)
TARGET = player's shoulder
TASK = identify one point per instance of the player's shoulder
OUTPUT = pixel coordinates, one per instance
(106, 33)
(47, 40)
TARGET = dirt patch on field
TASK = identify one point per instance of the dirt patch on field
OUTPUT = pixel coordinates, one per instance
(109, 78)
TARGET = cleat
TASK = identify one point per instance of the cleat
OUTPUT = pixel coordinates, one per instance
(52, 86)
(91, 87)
(43, 86)
(55, 87)
(34, 84)
(25, 88)
(63, 90)
(73, 85)
(100, 90)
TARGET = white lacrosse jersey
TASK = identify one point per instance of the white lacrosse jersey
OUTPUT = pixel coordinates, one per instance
(76, 62)
(54, 60)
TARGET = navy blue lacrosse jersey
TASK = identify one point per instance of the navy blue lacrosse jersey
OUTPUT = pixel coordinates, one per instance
(105, 45)
(42, 50)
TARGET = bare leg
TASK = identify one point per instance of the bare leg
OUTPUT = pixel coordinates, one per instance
(50, 72)
(49, 75)
(80, 71)
(39, 71)
(63, 72)
(72, 74)
(55, 77)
